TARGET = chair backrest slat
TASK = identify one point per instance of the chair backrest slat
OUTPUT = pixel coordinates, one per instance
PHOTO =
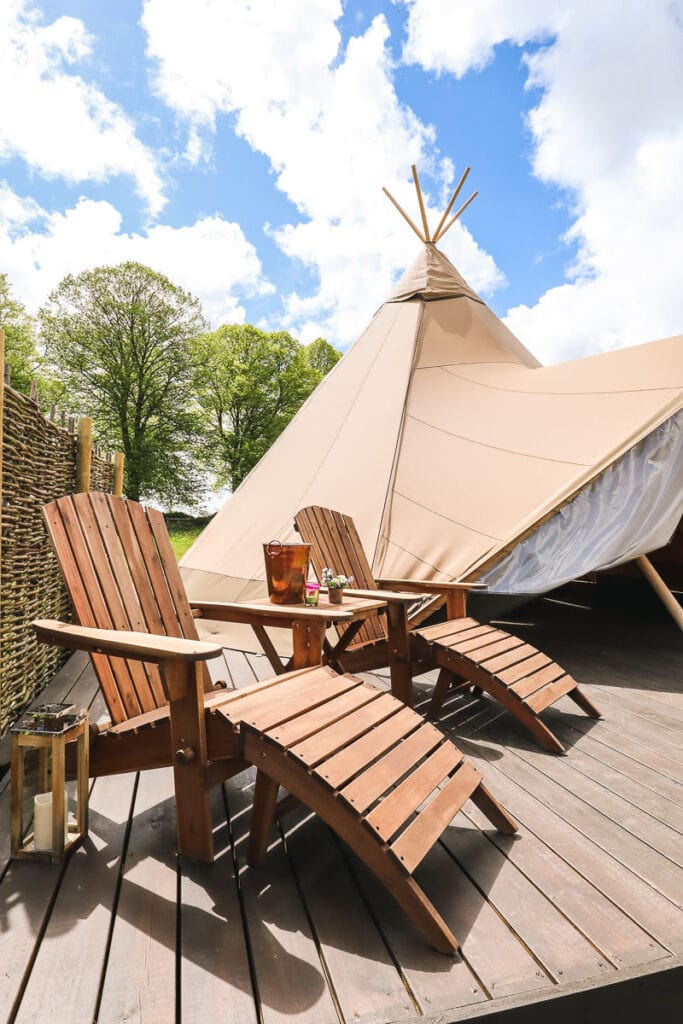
(187, 625)
(88, 605)
(118, 578)
(335, 543)
(120, 572)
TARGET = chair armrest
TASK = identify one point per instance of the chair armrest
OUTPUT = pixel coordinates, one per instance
(124, 644)
(390, 596)
(431, 587)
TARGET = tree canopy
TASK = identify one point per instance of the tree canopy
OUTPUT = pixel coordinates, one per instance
(322, 356)
(252, 383)
(21, 355)
(120, 338)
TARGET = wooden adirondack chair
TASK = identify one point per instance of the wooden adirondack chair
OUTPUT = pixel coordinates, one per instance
(520, 677)
(352, 753)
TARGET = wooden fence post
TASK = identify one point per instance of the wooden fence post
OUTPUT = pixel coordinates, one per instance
(83, 454)
(119, 458)
(2, 403)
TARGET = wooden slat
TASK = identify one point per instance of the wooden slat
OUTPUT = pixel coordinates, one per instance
(252, 694)
(510, 657)
(444, 629)
(148, 549)
(129, 589)
(101, 567)
(420, 835)
(303, 726)
(351, 555)
(481, 632)
(483, 655)
(379, 777)
(94, 611)
(403, 801)
(327, 741)
(129, 542)
(172, 573)
(547, 696)
(529, 684)
(332, 545)
(307, 697)
(523, 668)
(342, 766)
(87, 610)
(249, 703)
(487, 640)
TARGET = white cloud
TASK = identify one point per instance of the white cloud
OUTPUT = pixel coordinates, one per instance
(608, 127)
(459, 37)
(210, 258)
(334, 130)
(60, 124)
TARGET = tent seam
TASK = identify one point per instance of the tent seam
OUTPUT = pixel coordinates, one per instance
(456, 522)
(495, 447)
(555, 394)
(399, 437)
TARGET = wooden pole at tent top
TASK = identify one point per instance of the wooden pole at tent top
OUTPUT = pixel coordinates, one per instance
(661, 590)
(403, 213)
(455, 195)
(426, 237)
(420, 201)
(456, 215)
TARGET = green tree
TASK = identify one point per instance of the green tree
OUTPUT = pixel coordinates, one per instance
(21, 355)
(251, 383)
(322, 356)
(121, 340)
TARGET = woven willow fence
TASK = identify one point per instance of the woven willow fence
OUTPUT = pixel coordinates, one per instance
(39, 463)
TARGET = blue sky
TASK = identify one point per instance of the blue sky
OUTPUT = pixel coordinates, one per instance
(241, 149)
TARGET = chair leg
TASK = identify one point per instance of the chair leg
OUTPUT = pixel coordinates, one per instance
(584, 703)
(262, 817)
(443, 683)
(493, 810)
(349, 826)
(185, 688)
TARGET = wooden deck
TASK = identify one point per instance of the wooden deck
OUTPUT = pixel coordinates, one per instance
(583, 908)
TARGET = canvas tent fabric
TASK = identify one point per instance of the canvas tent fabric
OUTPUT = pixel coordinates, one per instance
(451, 446)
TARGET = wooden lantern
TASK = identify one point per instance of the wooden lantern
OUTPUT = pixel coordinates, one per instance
(59, 735)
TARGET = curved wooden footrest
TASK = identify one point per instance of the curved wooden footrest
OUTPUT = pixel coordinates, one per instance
(518, 675)
(385, 780)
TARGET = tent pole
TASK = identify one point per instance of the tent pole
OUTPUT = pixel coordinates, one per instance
(661, 590)
(421, 204)
(403, 213)
(455, 195)
(455, 217)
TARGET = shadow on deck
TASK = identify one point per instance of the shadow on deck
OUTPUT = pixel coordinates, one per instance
(583, 908)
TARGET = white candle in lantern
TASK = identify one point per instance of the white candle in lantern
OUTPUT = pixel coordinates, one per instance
(42, 820)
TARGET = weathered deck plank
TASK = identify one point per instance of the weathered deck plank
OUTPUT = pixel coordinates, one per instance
(591, 891)
(215, 978)
(140, 979)
(71, 956)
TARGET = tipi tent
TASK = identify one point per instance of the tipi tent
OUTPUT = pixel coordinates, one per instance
(459, 456)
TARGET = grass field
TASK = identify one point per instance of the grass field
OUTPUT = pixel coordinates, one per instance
(183, 531)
